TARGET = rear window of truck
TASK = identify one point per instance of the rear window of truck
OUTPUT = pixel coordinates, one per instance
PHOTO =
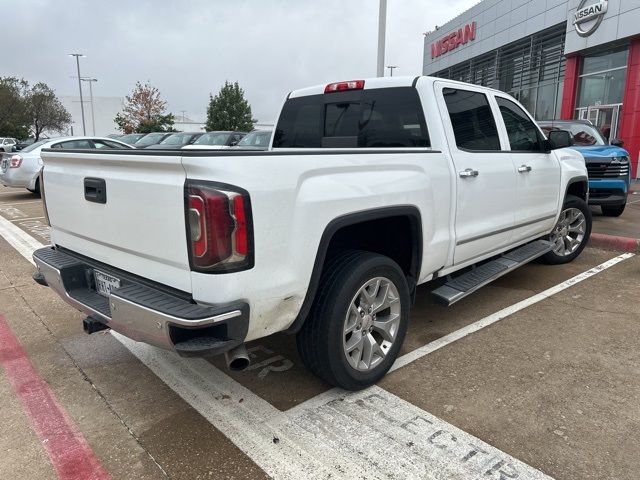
(376, 118)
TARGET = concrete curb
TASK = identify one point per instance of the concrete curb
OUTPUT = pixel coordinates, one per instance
(612, 242)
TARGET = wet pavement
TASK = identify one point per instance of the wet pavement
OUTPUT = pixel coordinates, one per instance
(551, 389)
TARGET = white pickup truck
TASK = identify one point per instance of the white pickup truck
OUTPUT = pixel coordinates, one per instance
(369, 189)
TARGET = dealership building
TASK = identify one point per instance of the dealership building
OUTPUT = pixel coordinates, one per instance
(562, 59)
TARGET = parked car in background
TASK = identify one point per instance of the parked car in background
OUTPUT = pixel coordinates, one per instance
(131, 138)
(608, 165)
(176, 141)
(256, 140)
(7, 144)
(117, 136)
(24, 143)
(151, 139)
(217, 140)
(22, 170)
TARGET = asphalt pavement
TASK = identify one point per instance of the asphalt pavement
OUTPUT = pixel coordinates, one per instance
(536, 375)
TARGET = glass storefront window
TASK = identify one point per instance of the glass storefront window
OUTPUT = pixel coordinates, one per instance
(527, 98)
(602, 88)
(602, 61)
(546, 102)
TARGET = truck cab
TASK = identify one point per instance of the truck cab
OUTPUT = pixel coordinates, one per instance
(607, 164)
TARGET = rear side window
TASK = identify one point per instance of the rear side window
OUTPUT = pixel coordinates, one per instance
(376, 118)
(472, 120)
(523, 134)
(73, 144)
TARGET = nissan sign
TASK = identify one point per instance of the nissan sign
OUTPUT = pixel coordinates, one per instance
(453, 40)
(591, 15)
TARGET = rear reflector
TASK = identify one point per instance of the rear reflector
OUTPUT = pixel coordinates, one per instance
(219, 228)
(343, 86)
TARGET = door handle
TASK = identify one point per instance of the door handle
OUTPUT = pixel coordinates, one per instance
(524, 168)
(468, 172)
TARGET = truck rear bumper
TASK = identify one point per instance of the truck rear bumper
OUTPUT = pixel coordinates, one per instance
(144, 312)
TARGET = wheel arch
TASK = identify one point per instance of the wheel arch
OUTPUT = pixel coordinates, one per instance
(341, 225)
(579, 187)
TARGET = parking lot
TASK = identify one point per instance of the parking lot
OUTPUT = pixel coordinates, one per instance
(535, 376)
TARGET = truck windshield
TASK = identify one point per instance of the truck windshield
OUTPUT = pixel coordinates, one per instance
(213, 139)
(583, 134)
(375, 118)
(177, 139)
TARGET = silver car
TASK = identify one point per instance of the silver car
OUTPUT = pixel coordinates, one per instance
(7, 144)
(22, 169)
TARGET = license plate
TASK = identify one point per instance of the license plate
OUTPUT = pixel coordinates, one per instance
(105, 283)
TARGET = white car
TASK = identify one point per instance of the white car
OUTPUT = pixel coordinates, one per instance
(370, 188)
(7, 144)
(22, 169)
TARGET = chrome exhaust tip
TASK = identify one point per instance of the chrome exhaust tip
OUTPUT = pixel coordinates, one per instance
(237, 358)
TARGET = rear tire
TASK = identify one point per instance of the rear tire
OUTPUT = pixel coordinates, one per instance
(613, 211)
(571, 233)
(358, 321)
(36, 188)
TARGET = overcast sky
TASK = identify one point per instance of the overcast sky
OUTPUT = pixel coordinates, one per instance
(188, 49)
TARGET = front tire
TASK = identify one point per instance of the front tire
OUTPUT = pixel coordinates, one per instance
(613, 211)
(571, 233)
(358, 322)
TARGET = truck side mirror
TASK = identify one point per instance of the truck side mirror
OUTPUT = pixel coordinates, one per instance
(617, 142)
(560, 139)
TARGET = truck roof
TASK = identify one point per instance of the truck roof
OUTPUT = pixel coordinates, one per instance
(380, 82)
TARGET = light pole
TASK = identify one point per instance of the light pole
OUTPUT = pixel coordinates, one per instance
(78, 55)
(93, 118)
(391, 67)
(382, 27)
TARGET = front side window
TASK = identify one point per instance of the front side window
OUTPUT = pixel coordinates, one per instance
(472, 120)
(376, 118)
(523, 133)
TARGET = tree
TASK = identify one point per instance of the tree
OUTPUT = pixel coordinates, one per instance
(144, 111)
(44, 111)
(229, 110)
(14, 121)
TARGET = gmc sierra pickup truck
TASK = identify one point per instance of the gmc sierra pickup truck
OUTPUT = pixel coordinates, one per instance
(369, 189)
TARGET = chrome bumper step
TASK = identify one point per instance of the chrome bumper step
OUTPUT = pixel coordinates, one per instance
(459, 287)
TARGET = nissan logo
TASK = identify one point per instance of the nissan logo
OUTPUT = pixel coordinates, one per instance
(593, 12)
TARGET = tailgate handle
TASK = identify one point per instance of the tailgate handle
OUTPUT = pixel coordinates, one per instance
(95, 190)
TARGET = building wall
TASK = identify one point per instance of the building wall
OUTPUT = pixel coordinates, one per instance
(105, 110)
(622, 20)
(498, 22)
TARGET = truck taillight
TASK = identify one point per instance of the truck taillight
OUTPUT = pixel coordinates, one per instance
(343, 86)
(219, 228)
(15, 162)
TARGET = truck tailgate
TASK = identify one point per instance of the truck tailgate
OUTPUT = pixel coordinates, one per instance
(140, 226)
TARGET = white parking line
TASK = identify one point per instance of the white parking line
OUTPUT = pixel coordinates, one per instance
(24, 243)
(338, 434)
(19, 203)
(505, 312)
(30, 218)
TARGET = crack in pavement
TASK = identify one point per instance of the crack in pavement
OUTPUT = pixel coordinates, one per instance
(87, 379)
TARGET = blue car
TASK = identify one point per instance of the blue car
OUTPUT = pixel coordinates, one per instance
(607, 164)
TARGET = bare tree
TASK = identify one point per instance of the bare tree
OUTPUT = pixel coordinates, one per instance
(144, 111)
